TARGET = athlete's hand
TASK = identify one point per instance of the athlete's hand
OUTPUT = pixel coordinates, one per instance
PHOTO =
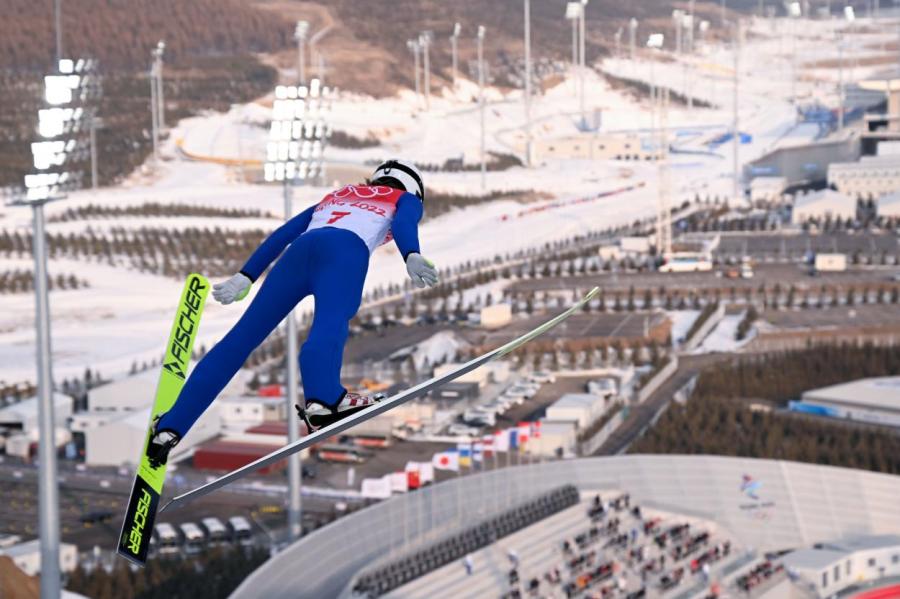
(421, 270)
(234, 289)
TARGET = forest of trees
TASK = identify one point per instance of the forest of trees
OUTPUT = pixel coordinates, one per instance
(212, 576)
(717, 419)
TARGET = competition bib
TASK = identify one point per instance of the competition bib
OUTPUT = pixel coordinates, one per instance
(367, 210)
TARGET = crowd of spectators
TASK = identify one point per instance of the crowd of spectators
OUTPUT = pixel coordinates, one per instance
(758, 574)
(596, 562)
(458, 546)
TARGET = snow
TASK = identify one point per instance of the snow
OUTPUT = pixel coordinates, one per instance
(125, 315)
(722, 338)
(682, 321)
(440, 347)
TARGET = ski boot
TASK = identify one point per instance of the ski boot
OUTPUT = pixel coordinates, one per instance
(317, 414)
(161, 443)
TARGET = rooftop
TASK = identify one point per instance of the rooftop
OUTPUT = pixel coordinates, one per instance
(879, 392)
(824, 195)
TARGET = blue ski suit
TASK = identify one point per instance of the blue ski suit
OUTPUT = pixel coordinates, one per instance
(327, 256)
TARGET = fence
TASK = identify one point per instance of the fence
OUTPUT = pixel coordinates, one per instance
(591, 445)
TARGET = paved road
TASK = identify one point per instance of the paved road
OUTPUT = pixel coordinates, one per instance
(640, 416)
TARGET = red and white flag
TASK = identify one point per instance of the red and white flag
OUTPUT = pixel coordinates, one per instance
(446, 460)
(524, 432)
(536, 429)
(487, 442)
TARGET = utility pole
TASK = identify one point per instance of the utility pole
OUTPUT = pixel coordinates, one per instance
(840, 45)
(480, 41)
(582, 59)
(632, 37)
(154, 114)
(160, 98)
(300, 35)
(425, 42)
(95, 123)
(57, 19)
(454, 39)
(735, 129)
(527, 9)
(292, 394)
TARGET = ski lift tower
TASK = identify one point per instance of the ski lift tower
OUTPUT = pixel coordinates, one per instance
(59, 160)
(295, 156)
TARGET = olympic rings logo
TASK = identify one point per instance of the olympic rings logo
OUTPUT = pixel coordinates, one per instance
(364, 192)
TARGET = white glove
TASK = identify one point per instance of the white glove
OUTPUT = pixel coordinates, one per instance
(421, 270)
(234, 289)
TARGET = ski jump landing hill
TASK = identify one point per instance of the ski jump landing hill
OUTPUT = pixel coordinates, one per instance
(764, 504)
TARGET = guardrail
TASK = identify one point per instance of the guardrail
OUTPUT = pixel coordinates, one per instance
(658, 379)
(706, 328)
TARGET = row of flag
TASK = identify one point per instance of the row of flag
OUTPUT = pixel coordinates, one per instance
(472, 452)
(418, 474)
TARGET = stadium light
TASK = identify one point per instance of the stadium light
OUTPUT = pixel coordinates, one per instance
(68, 93)
(527, 90)
(573, 12)
(454, 43)
(295, 154)
(300, 34)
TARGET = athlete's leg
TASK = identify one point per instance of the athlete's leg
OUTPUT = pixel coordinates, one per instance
(341, 261)
(286, 285)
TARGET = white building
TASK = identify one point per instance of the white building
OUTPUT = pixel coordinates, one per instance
(555, 437)
(242, 412)
(831, 567)
(27, 556)
(875, 400)
(823, 204)
(767, 189)
(23, 416)
(888, 205)
(496, 316)
(872, 175)
(479, 375)
(580, 408)
(137, 391)
(611, 146)
(117, 441)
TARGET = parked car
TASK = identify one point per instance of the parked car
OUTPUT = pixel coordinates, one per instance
(462, 430)
(216, 532)
(540, 376)
(480, 417)
(194, 539)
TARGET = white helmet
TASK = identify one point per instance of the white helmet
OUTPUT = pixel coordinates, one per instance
(401, 174)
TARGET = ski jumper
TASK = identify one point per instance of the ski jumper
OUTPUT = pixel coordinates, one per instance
(328, 249)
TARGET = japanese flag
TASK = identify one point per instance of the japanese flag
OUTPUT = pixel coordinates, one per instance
(446, 460)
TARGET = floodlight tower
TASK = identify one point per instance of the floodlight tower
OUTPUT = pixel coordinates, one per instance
(425, 43)
(794, 12)
(480, 41)
(735, 129)
(295, 154)
(61, 126)
(632, 37)
(572, 9)
(581, 57)
(659, 115)
(414, 47)
(454, 45)
(527, 10)
(618, 38)
(300, 33)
